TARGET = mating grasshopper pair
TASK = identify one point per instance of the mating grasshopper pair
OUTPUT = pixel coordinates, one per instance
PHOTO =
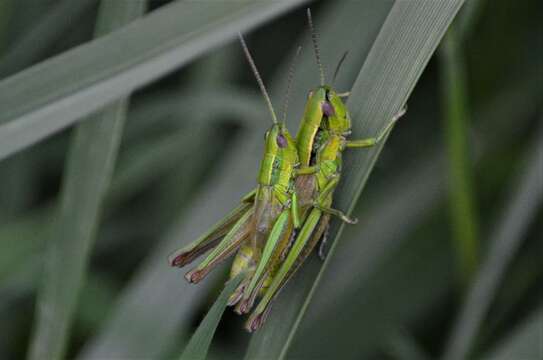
(277, 225)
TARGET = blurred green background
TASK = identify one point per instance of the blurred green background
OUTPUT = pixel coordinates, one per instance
(445, 260)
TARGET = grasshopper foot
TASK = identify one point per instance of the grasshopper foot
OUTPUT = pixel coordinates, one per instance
(195, 276)
(236, 295)
(256, 321)
(244, 307)
(178, 259)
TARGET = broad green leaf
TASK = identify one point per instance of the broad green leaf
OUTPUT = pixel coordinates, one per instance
(505, 241)
(54, 94)
(88, 171)
(199, 343)
(408, 37)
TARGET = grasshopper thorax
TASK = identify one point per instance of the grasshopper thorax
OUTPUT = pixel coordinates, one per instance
(280, 156)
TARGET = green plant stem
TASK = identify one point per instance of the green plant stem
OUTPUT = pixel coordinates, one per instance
(199, 343)
(89, 167)
(508, 235)
(464, 217)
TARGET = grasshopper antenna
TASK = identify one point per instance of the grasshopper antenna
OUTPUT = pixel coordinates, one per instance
(289, 82)
(314, 38)
(338, 66)
(258, 78)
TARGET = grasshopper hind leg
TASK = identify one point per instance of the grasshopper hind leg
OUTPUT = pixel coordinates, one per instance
(304, 243)
(227, 247)
(209, 240)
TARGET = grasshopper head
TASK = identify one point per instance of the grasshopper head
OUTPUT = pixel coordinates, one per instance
(328, 105)
(280, 142)
(335, 111)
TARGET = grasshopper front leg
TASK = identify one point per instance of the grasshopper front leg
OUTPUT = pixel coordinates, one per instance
(369, 142)
(325, 197)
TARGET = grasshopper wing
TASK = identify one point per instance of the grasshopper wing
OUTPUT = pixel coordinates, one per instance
(227, 247)
(210, 239)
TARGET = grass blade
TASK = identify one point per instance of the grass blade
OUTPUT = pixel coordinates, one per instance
(524, 343)
(505, 241)
(403, 346)
(6, 8)
(40, 37)
(52, 95)
(424, 180)
(464, 222)
(88, 171)
(200, 341)
(157, 303)
(402, 49)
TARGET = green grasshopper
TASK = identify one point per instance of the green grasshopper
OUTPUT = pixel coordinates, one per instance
(320, 141)
(265, 218)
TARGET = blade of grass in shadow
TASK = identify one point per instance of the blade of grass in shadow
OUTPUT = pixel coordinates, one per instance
(525, 342)
(174, 304)
(6, 8)
(21, 241)
(199, 343)
(468, 18)
(157, 303)
(464, 219)
(42, 34)
(402, 49)
(165, 109)
(402, 345)
(88, 170)
(518, 283)
(364, 316)
(53, 94)
(505, 241)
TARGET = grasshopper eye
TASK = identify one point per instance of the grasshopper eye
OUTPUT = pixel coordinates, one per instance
(266, 135)
(310, 94)
(328, 109)
(281, 141)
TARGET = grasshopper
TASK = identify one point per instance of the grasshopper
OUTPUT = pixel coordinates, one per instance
(320, 142)
(264, 219)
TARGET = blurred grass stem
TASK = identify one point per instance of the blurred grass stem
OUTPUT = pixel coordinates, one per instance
(464, 217)
(88, 172)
